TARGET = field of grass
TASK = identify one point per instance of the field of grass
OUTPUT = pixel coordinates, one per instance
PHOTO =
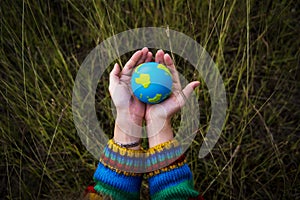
(255, 45)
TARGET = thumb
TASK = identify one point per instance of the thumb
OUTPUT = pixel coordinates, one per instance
(187, 91)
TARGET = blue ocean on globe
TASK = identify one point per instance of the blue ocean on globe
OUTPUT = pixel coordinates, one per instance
(151, 82)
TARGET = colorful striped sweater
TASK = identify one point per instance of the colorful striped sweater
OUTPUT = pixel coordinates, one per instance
(120, 172)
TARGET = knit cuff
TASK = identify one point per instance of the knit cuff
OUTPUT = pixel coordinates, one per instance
(163, 155)
(122, 160)
(178, 163)
(116, 185)
(174, 184)
(171, 177)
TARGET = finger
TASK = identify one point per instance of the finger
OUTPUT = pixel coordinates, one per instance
(143, 57)
(159, 56)
(188, 90)
(127, 70)
(175, 77)
(114, 76)
(149, 57)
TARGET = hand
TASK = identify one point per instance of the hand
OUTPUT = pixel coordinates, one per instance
(158, 116)
(130, 111)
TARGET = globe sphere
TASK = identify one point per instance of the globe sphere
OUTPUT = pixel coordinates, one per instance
(151, 82)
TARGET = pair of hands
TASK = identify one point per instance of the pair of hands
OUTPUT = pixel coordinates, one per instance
(131, 112)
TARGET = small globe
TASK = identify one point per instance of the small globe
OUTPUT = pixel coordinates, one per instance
(151, 82)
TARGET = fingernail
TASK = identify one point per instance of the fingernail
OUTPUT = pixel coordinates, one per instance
(196, 84)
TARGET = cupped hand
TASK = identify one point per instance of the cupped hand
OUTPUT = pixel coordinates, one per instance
(166, 109)
(158, 116)
(120, 89)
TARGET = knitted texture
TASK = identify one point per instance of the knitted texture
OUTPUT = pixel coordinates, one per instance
(174, 181)
(174, 184)
(163, 155)
(130, 162)
(123, 160)
(169, 175)
(116, 185)
(91, 194)
(178, 163)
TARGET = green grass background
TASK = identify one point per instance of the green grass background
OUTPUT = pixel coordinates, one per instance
(255, 45)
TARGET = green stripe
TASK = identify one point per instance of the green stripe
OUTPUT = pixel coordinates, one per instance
(182, 191)
(115, 193)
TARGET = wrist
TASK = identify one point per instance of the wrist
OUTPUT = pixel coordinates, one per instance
(128, 128)
(159, 131)
(125, 116)
(125, 137)
(129, 123)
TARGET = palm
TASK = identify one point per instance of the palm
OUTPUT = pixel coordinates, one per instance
(119, 87)
(123, 98)
(163, 110)
(169, 107)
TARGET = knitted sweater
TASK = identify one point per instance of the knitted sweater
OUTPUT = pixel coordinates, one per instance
(117, 175)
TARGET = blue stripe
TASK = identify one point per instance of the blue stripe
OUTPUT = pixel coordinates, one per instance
(171, 178)
(166, 154)
(125, 160)
(116, 180)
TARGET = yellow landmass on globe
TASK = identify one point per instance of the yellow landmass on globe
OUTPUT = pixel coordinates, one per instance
(155, 99)
(143, 80)
(160, 66)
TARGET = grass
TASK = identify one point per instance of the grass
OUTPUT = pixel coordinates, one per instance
(255, 45)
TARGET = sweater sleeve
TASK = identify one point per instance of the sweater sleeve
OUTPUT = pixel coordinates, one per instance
(112, 182)
(174, 181)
